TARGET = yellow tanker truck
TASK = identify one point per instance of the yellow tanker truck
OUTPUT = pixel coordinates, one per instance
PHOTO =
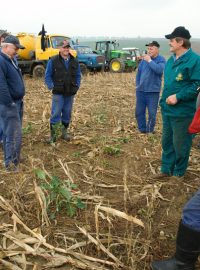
(38, 50)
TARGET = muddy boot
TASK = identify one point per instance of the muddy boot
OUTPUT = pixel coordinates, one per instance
(65, 133)
(187, 251)
(52, 138)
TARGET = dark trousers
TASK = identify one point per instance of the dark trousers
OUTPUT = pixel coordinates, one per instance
(176, 145)
(146, 101)
(11, 122)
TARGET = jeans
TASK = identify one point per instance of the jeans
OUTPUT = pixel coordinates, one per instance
(191, 212)
(176, 145)
(11, 120)
(1, 132)
(149, 101)
(61, 110)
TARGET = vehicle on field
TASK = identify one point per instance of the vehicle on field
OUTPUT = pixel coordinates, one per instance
(135, 53)
(38, 50)
(88, 60)
(116, 60)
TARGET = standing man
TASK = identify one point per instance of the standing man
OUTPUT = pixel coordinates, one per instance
(148, 85)
(178, 103)
(12, 91)
(63, 77)
(2, 38)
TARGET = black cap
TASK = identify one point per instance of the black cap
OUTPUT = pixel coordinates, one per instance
(13, 40)
(64, 44)
(179, 31)
(153, 43)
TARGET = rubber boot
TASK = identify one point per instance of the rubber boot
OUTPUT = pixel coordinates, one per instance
(65, 134)
(53, 136)
(187, 251)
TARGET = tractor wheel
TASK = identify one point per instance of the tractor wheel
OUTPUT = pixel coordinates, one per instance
(38, 71)
(84, 69)
(117, 65)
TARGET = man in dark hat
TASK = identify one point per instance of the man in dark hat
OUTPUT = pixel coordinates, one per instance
(178, 103)
(148, 85)
(12, 91)
(2, 38)
(63, 77)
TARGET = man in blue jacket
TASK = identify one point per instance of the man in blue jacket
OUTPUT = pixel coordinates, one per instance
(12, 91)
(2, 38)
(63, 77)
(148, 85)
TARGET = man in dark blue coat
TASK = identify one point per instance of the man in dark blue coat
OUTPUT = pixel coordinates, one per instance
(12, 91)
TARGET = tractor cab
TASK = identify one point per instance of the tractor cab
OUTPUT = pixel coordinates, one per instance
(116, 60)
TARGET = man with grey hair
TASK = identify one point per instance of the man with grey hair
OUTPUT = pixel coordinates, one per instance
(12, 91)
(178, 103)
(2, 38)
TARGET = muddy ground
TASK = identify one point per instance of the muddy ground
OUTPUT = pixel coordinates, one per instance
(112, 165)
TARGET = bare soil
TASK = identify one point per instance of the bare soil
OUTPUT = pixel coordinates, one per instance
(112, 164)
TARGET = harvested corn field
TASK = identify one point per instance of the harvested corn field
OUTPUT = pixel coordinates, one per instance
(90, 203)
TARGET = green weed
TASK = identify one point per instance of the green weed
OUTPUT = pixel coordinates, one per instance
(60, 194)
(111, 150)
(27, 129)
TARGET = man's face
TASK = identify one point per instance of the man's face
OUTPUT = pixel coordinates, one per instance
(174, 45)
(11, 50)
(64, 51)
(153, 51)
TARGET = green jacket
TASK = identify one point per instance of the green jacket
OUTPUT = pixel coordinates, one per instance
(181, 77)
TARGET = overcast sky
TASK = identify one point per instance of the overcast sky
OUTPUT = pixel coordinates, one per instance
(120, 18)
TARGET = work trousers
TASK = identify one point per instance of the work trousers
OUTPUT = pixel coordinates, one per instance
(176, 144)
(146, 101)
(61, 109)
(11, 121)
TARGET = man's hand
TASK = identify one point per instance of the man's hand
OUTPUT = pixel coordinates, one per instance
(147, 58)
(171, 100)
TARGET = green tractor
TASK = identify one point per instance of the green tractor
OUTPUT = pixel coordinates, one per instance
(115, 60)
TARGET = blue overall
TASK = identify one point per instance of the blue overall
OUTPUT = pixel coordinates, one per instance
(12, 91)
(148, 85)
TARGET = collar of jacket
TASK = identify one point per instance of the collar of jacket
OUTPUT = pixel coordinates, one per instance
(184, 57)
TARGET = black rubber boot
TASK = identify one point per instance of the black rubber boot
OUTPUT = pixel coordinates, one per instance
(65, 134)
(187, 251)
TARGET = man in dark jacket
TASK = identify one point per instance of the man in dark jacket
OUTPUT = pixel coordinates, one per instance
(12, 91)
(148, 85)
(2, 38)
(63, 77)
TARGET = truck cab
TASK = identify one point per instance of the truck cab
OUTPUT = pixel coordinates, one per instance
(88, 60)
(38, 50)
